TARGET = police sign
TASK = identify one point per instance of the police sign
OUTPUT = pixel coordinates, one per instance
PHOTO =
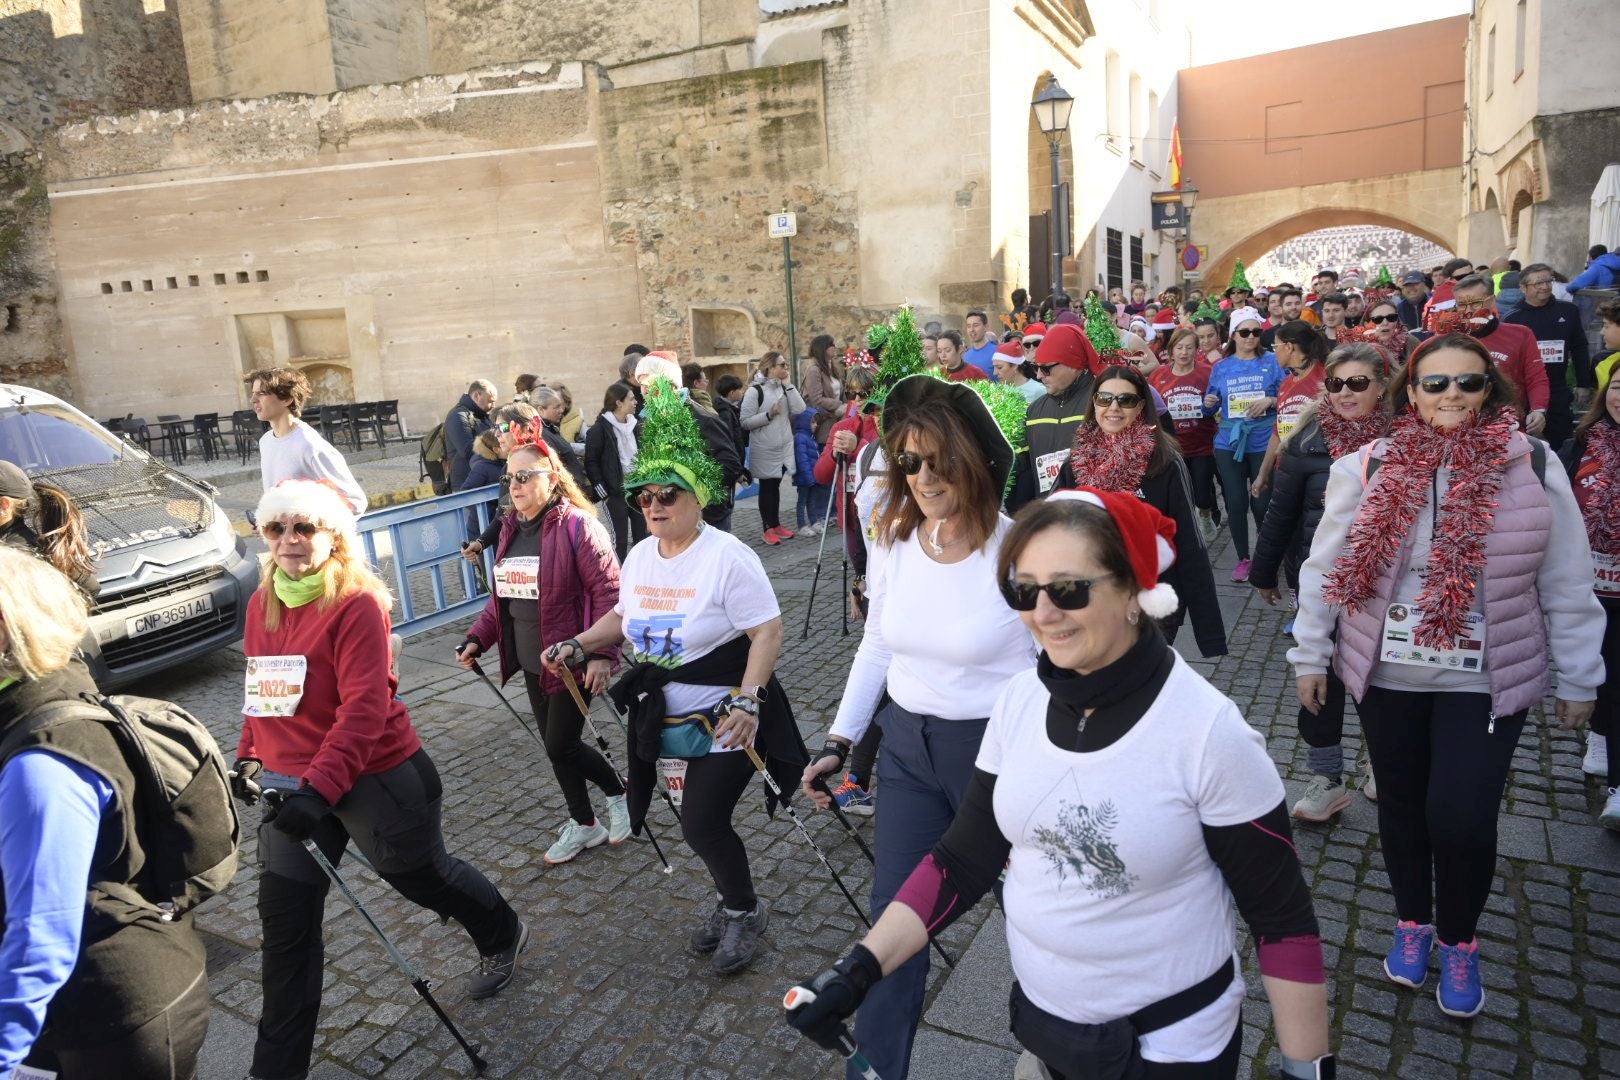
(1168, 213)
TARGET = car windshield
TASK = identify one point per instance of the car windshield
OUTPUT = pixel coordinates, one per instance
(45, 438)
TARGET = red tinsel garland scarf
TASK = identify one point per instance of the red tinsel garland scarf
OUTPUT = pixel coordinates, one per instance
(1111, 462)
(1602, 508)
(1346, 436)
(1474, 454)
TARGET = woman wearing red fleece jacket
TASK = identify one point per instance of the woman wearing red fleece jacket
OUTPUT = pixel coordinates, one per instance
(321, 722)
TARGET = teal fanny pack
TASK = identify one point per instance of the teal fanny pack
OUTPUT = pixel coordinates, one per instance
(685, 736)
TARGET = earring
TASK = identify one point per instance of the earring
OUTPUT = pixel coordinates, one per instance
(1131, 617)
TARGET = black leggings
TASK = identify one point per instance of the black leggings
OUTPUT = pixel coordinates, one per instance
(714, 784)
(629, 526)
(571, 760)
(1236, 476)
(1323, 731)
(1606, 717)
(863, 756)
(393, 819)
(1441, 772)
(1201, 471)
(770, 503)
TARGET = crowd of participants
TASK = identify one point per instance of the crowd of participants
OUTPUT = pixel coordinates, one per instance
(1426, 464)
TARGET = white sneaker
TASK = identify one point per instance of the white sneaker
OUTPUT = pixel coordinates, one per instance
(1596, 761)
(1207, 527)
(618, 814)
(1609, 818)
(573, 839)
(1369, 787)
(809, 530)
(1322, 799)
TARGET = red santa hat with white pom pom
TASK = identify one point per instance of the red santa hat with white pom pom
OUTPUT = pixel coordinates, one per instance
(1149, 544)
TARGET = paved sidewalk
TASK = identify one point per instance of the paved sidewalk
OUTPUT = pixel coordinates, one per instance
(608, 988)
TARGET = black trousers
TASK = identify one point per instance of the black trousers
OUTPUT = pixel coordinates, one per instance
(571, 760)
(1441, 771)
(163, 1048)
(714, 785)
(1201, 471)
(393, 819)
(1560, 406)
(863, 756)
(1606, 717)
(770, 502)
(629, 527)
(1324, 730)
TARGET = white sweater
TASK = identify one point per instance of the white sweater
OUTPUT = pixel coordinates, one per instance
(941, 635)
(302, 454)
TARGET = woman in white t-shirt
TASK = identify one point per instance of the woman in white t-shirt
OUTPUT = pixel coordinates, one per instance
(704, 631)
(1141, 814)
(939, 635)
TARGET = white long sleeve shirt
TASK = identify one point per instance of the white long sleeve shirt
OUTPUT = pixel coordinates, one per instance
(302, 454)
(940, 635)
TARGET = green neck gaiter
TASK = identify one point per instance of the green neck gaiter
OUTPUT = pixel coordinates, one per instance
(296, 592)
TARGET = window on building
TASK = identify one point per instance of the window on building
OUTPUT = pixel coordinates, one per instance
(1117, 118)
(1155, 151)
(1116, 259)
(1519, 17)
(1138, 269)
(1138, 107)
(1490, 62)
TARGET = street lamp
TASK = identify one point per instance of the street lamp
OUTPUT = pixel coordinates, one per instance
(1189, 199)
(1052, 107)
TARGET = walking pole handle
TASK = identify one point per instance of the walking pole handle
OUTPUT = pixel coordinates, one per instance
(573, 690)
(800, 996)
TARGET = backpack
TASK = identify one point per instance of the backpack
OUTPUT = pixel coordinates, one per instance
(430, 460)
(184, 820)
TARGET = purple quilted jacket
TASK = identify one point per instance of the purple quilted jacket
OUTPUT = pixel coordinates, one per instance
(579, 583)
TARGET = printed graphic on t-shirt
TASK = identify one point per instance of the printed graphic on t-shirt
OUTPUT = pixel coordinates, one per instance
(656, 639)
(1083, 842)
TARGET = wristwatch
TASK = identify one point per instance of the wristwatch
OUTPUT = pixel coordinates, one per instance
(757, 692)
(1323, 1068)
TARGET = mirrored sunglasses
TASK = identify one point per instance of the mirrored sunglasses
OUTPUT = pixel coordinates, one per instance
(1068, 594)
(647, 496)
(1472, 383)
(275, 530)
(522, 476)
(1105, 398)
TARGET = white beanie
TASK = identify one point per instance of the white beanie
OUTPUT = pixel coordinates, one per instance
(316, 501)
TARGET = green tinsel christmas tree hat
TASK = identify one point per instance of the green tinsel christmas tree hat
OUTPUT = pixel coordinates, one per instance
(1240, 279)
(1101, 330)
(1384, 280)
(672, 450)
(899, 350)
(1209, 310)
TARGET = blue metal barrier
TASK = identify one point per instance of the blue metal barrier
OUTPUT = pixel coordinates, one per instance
(426, 535)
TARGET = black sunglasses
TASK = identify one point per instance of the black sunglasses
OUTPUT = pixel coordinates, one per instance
(1246, 333)
(1068, 594)
(1047, 369)
(522, 476)
(1383, 318)
(276, 529)
(647, 496)
(1128, 400)
(1357, 383)
(1472, 383)
(855, 395)
(1464, 274)
(911, 463)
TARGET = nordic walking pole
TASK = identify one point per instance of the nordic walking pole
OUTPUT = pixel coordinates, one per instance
(624, 729)
(821, 549)
(602, 745)
(770, 782)
(800, 996)
(820, 784)
(510, 708)
(419, 984)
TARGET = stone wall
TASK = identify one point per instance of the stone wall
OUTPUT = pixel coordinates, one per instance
(393, 241)
(469, 33)
(691, 169)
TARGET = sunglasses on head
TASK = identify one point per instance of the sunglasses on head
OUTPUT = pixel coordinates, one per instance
(911, 463)
(1383, 318)
(276, 529)
(1067, 594)
(1474, 382)
(1250, 332)
(522, 476)
(1356, 383)
(647, 496)
(1127, 400)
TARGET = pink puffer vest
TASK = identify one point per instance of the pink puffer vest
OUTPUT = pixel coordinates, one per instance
(1515, 634)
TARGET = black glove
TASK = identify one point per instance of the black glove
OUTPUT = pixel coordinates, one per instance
(244, 777)
(300, 813)
(839, 992)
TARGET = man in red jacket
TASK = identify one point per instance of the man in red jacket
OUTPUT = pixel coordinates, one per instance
(1513, 347)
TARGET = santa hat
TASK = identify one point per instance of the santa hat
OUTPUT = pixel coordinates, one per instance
(1245, 314)
(1068, 345)
(1034, 332)
(316, 501)
(1164, 322)
(1010, 352)
(1149, 544)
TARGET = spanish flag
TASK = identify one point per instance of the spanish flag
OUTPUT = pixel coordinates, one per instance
(1175, 155)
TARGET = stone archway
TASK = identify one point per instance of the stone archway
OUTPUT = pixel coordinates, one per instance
(1218, 270)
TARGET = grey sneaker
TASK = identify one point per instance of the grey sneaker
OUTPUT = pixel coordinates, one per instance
(494, 972)
(1322, 799)
(739, 940)
(573, 839)
(706, 938)
(1369, 786)
(618, 815)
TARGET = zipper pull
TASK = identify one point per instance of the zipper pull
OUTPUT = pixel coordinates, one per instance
(1490, 729)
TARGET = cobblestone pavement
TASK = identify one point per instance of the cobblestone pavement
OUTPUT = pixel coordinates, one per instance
(608, 988)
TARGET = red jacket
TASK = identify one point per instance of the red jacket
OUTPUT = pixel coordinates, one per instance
(349, 723)
(1516, 353)
(579, 583)
(866, 430)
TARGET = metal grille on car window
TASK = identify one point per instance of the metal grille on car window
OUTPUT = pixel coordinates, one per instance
(120, 500)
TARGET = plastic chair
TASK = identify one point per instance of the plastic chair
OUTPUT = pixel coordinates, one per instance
(205, 428)
(175, 431)
(388, 414)
(363, 418)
